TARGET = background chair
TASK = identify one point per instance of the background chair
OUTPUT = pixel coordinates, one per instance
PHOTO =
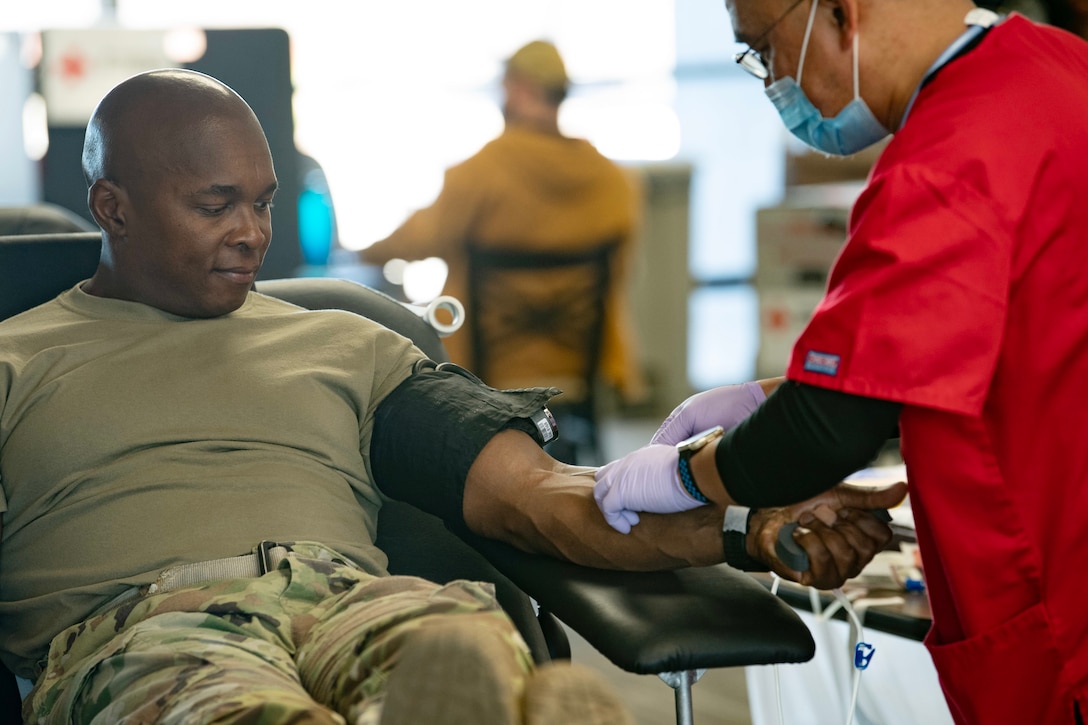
(538, 319)
(41, 219)
(34, 268)
(672, 623)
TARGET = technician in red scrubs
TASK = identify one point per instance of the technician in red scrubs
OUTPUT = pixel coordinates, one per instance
(956, 316)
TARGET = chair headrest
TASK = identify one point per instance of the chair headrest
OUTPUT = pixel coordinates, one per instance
(35, 268)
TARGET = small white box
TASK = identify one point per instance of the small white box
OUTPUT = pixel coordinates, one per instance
(783, 314)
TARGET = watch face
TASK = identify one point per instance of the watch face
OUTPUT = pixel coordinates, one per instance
(699, 440)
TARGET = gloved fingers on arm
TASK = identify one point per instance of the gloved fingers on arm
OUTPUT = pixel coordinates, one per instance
(644, 480)
(725, 406)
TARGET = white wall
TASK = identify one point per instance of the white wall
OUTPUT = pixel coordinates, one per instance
(18, 174)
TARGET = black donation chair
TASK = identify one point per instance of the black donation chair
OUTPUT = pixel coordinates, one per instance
(672, 623)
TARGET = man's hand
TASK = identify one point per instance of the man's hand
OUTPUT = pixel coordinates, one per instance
(725, 406)
(836, 530)
(644, 480)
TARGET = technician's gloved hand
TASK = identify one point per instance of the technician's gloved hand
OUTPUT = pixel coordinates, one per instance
(644, 480)
(725, 406)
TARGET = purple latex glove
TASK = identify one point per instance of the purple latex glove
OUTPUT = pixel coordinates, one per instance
(725, 406)
(643, 480)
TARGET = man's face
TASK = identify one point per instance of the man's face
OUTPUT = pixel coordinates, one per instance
(775, 29)
(198, 225)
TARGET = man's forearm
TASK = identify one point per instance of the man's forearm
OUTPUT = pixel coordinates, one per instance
(518, 494)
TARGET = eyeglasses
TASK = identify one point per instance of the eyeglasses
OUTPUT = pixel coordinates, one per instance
(750, 60)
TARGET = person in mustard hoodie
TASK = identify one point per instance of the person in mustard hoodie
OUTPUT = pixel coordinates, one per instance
(532, 189)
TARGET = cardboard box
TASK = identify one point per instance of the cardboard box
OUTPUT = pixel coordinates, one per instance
(798, 244)
(812, 167)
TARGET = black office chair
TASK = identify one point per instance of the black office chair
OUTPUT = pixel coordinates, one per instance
(555, 301)
(672, 623)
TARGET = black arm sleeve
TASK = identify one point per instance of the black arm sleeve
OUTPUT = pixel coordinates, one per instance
(429, 430)
(802, 441)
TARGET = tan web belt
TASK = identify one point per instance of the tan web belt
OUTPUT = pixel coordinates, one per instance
(264, 559)
(247, 566)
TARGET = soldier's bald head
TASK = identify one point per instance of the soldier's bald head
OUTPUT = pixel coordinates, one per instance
(152, 121)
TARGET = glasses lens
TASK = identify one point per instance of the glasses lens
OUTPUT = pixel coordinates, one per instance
(750, 61)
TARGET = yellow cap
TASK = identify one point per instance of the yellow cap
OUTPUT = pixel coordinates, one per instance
(539, 61)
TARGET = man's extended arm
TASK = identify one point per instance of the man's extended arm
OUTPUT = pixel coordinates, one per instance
(441, 442)
(516, 493)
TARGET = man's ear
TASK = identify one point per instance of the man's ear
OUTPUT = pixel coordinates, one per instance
(106, 200)
(845, 13)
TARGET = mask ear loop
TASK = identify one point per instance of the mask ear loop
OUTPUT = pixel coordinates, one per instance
(857, 85)
(804, 43)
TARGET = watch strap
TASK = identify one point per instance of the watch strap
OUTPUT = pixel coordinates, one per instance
(687, 480)
(736, 518)
(734, 544)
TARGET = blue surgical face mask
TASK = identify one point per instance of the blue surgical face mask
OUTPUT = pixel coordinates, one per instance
(853, 129)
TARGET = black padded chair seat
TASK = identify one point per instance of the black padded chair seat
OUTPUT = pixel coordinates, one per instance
(664, 621)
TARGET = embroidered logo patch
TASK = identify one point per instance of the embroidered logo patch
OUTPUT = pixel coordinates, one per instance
(822, 362)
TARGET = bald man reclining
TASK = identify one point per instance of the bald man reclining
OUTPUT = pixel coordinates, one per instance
(190, 474)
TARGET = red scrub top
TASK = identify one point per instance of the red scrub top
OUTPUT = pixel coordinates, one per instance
(962, 292)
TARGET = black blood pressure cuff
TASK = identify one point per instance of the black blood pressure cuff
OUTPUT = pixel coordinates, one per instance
(429, 430)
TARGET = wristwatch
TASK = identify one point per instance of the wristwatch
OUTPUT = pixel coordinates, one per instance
(734, 539)
(687, 449)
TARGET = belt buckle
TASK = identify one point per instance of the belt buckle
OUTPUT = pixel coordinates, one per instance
(264, 562)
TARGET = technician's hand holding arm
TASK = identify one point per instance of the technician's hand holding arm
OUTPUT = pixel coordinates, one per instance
(641, 480)
(838, 533)
(802, 442)
(726, 406)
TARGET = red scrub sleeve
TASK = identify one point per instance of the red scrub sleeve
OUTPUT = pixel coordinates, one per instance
(916, 302)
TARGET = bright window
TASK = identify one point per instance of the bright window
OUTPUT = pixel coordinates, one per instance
(387, 95)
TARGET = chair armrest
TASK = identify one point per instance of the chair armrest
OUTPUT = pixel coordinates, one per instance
(10, 702)
(666, 621)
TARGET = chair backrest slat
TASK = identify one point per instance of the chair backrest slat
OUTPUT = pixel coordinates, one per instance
(571, 313)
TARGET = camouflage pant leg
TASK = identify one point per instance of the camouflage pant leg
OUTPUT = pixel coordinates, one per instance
(182, 668)
(346, 659)
(237, 649)
(191, 655)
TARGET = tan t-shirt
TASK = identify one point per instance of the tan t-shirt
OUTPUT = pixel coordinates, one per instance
(132, 440)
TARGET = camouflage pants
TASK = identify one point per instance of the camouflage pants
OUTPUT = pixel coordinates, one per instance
(312, 642)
